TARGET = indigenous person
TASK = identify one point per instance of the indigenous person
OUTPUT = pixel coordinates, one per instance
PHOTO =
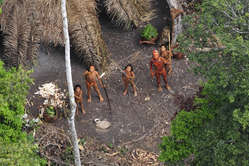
(78, 98)
(91, 77)
(128, 78)
(167, 54)
(159, 69)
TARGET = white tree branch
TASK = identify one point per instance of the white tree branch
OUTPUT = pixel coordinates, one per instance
(70, 85)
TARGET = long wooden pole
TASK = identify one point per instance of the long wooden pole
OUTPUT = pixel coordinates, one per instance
(70, 85)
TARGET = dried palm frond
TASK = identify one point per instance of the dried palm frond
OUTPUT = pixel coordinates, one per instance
(16, 34)
(85, 32)
(35, 31)
(128, 12)
(26, 23)
(49, 12)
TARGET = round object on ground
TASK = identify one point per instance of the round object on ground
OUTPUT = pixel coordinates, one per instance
(104, 124)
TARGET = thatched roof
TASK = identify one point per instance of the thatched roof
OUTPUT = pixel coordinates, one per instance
(21, 26)
(49, 12)
(85, 31)
(128, 12)
(21, 31)
(27, 23)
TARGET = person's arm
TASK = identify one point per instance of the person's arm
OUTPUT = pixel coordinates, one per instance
(164, 60)
(124, 76)
(151, 69)
(100, 80)
(85, 73)
(170, 53)
(132, 75)
(77, 97)
(80, 94)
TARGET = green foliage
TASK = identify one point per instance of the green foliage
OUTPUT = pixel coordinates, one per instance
(50, 111)
(15, 146)
(14, 85)
(149, 32)
(20, 153)
(67, 155)
(1, 2)
(217, 133)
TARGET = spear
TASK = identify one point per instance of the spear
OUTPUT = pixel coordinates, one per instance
(108, 100)
(169, 40)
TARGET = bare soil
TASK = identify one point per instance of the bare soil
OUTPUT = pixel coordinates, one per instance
(136, 123)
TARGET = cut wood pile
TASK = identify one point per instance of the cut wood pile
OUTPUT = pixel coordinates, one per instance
(52, 95)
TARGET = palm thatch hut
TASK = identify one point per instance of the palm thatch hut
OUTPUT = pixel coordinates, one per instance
(26, 24)
(128, 13)
(21, 31)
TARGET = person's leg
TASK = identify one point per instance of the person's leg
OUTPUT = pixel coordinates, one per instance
(169, 69)
(89, 93)
(134, 88)
(126, 88)
(165, 79)
(82, 107)
(77, 109)
(101, 99)
(159, 88)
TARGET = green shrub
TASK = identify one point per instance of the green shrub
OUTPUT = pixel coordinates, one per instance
(20, 153)
(15, 147)
(14, 85)
(149, 32)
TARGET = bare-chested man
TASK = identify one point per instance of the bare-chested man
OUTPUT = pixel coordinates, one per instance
(159, 64)
(167, 54)
(91, 77)
(128, 78)
(78, 98)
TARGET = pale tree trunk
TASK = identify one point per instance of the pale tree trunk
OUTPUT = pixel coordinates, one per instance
(70, 85)
(177, 22)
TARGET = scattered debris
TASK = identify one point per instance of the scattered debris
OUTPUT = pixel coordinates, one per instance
(138, 156)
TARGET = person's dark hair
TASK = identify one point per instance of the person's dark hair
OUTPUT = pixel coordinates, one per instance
(77, 86)
(88, 69)
(128, 66)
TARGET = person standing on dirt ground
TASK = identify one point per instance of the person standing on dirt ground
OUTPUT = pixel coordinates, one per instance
(128, 78)
(167, 54)
(91, 77)
(159, 64)
(78, 98)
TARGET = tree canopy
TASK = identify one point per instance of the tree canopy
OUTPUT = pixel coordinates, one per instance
(217, 131)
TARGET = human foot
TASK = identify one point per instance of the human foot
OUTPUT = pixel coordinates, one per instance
(101, 99)
(168, 87)
(125, 93)
(159, 89)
